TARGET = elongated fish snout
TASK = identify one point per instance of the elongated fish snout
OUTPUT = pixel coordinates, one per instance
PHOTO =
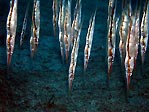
(109, 70)
(70, 85)
(128, 80)
(32, 53)
(9, 57)
(142, 58)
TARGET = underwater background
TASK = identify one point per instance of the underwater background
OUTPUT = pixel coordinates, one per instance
(40, 84)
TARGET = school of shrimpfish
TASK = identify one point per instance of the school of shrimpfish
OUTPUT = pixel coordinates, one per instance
(132, 29)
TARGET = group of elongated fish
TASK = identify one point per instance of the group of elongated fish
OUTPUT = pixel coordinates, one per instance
(69, 33)
(133, 33)
(12, 26)
(129, 26)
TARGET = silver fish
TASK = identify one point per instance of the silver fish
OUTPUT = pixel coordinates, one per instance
(24, 26)
(137, 33)
(111, 38)
(55, 15)
(123, 32)
(11, 29)
(77, 20)
(144, 31)
(130, 50)
(66, 38)
(74, 55)
(35, 27)
(60, 25)
(89, 39)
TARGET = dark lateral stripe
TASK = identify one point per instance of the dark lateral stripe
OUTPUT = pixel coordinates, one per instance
(10, 16)
(33, 17)
(34, 24)
(144, 19)
(8, 28)
(129, 32)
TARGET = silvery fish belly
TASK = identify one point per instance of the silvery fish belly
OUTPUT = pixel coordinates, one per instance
(37, 18)
(55, 15)
(11, 30)
(144, 31)
(89, 39)
(123, 32)
(35, 29)
(74, 55)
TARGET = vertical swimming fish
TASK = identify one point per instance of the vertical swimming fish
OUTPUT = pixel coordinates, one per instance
(74, 55)
(35, 29)
(144, 31)
(69, 13)
(60, 25)
(24, 25)
(130, 50)
(123, 35)
(67, 29)
(11, 29)
(137, 31)
(55, 15)
(77, 20)
(66, 39)
(111, 37)
(123, 32)
(89, 39)
(110, 8)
